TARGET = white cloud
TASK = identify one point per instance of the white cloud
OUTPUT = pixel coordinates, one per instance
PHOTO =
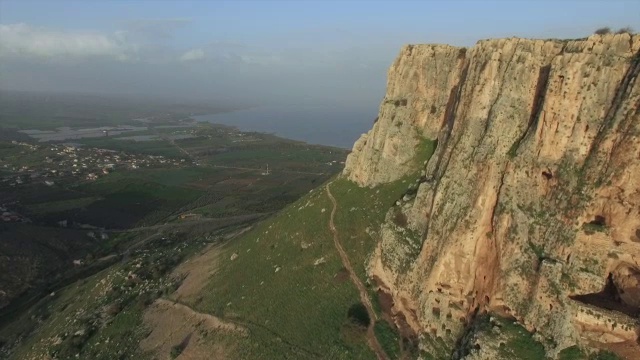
(192, 55)
(24, 41)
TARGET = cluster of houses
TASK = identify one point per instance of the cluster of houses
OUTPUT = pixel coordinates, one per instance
(25, 144)
(69, 160)
(7, 215)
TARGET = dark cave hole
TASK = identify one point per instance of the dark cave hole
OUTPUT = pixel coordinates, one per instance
(598, 220)
(547, 175)
(609, 299)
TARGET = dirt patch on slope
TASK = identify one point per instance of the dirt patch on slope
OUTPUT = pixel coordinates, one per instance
(197, 270)
(172, 322)
(196, 273)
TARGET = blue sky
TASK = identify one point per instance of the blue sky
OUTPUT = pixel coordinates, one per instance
(260, 50)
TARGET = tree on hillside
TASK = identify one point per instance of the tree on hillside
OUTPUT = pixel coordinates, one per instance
(603, 30)
(625, 30)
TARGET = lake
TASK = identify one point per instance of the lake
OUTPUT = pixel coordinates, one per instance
(337, 126)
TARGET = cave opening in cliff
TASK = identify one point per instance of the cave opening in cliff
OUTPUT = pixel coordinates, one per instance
(598, 224)
(609, 299)
(598, 220)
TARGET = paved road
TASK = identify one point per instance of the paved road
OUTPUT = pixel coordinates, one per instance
(262, 170)
(191, 223)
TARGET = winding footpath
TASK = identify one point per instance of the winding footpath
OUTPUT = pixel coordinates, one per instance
(364, 295)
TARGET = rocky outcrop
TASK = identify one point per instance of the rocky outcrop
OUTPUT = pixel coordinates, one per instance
(626, 279)
(532, 197)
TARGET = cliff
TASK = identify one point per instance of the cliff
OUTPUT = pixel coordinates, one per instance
(530, 206)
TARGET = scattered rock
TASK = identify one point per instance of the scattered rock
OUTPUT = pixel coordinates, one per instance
(319, 261)
(234, 256)
(57, 340)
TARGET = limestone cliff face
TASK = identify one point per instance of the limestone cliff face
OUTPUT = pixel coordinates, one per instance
(530, 206)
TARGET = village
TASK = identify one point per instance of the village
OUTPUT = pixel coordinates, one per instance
(65, 161)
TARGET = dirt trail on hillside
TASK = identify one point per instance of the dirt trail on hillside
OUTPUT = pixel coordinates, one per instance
(173, 323)
(364, 296)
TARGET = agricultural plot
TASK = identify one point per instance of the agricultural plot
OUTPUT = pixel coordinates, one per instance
(116, 220)
(155, 147)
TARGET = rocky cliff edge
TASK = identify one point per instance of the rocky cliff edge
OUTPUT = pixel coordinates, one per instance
(530, 206)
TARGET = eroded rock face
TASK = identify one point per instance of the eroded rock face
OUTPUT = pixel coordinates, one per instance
(627, 282)
(533, 193)
(414, 106)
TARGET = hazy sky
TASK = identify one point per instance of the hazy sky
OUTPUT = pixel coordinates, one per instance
(260, 51)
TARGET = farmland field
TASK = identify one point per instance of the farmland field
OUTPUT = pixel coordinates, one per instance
(102, 211)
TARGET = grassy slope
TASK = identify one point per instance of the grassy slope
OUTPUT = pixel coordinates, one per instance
(100, 317)
(301, 310)
(298, 310)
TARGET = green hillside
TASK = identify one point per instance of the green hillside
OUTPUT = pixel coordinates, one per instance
(287, 284)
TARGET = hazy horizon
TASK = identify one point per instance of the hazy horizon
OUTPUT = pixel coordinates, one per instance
(259, 53)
